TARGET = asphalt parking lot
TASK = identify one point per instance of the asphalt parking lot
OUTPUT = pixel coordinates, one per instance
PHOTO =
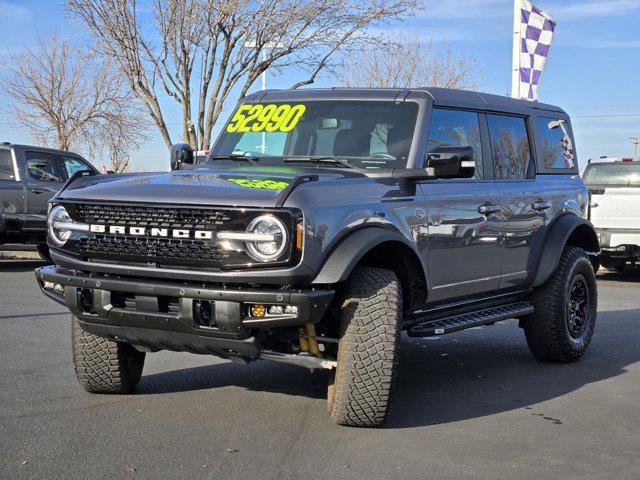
(469, 405)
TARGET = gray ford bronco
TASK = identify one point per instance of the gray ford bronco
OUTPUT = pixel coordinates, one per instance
(322, 224)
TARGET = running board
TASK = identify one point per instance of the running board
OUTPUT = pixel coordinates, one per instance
(467, 320)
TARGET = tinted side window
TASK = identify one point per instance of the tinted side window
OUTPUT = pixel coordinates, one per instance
(456, 128)
(557, 144)
(6, 165)
(510, 147)
(73, 165)
(43, 167)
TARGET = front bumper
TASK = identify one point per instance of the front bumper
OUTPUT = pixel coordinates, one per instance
(157, 315)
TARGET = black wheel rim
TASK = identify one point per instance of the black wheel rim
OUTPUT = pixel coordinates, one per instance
(578, 306)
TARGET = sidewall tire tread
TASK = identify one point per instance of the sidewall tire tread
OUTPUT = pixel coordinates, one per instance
(546, 329)
(359, 394)
(104, 366)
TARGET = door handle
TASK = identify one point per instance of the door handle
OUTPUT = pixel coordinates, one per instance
(488, 209)
(541, 205)
(37, 190)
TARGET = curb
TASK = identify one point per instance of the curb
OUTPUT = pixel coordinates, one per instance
(18, 255)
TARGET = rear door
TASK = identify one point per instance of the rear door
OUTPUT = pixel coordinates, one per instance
(525, 207)
(464, 220)
(44, 177)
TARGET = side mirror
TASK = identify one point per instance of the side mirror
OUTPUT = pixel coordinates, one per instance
(181, 154)
(452, 162)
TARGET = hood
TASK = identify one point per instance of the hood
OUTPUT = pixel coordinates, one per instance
(250, 187)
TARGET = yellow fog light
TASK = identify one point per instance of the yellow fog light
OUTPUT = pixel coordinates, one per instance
(258, 310)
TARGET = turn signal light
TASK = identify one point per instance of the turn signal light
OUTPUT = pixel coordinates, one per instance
(299, 236)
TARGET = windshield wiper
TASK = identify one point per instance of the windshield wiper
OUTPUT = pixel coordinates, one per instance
(252, 159)
(332, 160)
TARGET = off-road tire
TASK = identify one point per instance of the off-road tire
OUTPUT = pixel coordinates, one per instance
(547, 329)
(370, 315)
(104, 366)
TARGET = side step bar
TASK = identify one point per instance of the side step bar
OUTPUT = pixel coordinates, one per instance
(463, 321)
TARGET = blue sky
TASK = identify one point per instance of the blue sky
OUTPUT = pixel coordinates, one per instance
(593, 70)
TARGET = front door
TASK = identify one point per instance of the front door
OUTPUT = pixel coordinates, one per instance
(44, 178)
(464, 220)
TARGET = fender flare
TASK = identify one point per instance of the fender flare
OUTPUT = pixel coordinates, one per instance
(557, 238)
(346, 255)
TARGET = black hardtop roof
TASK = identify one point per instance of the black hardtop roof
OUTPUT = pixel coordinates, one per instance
(440, 97)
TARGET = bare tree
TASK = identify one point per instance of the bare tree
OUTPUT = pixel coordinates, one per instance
(200, 52)
(405, 61)
(72, 99)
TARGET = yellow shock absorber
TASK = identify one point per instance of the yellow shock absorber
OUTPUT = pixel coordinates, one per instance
(311, 338)
(304, 344)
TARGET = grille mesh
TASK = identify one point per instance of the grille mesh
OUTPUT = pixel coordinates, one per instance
(150, 216)
(164, 250)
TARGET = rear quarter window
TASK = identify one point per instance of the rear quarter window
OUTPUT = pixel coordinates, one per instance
(556, 143)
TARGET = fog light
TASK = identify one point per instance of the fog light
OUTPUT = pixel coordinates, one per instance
(257, 310)
(291, 310)
(54, 287)
(276, 310)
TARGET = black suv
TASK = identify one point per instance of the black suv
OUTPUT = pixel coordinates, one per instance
(29, 177)
(322, 224)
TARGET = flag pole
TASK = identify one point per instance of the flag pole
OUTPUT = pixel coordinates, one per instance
(515, 70)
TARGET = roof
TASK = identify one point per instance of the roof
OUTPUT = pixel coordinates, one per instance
(439, 96)
(35, 147)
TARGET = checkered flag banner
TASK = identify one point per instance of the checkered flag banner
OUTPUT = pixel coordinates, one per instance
(533, 36)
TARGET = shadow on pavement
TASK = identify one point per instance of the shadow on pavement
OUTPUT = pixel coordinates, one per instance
(467, 375)
(631, 274)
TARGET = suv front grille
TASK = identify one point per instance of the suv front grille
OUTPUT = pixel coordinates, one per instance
(162, 250)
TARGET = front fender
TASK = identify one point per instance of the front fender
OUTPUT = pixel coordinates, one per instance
(564, 231)
(346, 255)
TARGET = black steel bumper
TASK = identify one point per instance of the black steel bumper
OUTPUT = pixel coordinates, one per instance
(162, 315)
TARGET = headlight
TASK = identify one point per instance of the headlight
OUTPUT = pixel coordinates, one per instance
(60, 225)
(275, 238)
(58, 217)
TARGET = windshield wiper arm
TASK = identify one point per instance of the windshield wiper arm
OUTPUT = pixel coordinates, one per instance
(252, 159)
(336, 161)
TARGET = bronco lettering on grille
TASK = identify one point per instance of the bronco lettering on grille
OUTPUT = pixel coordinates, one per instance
(152, 232)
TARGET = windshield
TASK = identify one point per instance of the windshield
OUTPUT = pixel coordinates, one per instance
(366, 134)
(625, 174)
